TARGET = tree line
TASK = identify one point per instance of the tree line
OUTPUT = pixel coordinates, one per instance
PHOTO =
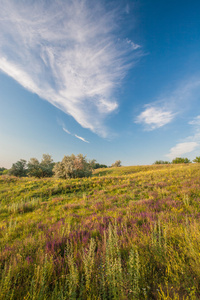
(73, 166)
(178, 160)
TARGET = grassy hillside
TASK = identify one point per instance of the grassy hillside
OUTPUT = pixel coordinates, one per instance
(125, 233)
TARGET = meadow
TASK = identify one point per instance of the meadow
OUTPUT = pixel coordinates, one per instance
(124, 233)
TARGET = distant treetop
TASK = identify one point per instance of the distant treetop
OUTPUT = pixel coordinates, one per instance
(180, 160)
(117, 163)
(197, 159)
(161, 162)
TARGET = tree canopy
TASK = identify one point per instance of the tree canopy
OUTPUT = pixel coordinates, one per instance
(95, 165)
(41, 169)
(180, 160)
(197, 159)
(19, 168)
(73, 167)
(117, 163)
(161, 162)
(3, 171)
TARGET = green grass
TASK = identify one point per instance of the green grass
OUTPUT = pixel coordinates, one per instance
(125, 233)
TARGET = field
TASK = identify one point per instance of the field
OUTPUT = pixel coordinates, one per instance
(125, 233)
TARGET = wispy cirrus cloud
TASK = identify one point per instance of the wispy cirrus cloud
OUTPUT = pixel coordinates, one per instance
(66, 130)
(81, 138)
(182, 148)
(162, 111)
(77, 136)
(127, 9)
(133, 45)
(68, 53)
(195, 121)
(190, 143)
(154, 117)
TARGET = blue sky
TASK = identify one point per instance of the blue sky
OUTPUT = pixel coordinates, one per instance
(108, 79)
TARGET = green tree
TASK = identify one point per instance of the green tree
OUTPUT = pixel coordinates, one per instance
(161, 162)
(197, 159)
(47, 165)
(34, 168)
(72, 167)
(2, 170)
(99, 166)
(180, 160)
(41, 169)
(95, 165)
(19, 168)
(5, 172)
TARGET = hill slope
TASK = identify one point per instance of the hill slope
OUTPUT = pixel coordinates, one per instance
(125, 233)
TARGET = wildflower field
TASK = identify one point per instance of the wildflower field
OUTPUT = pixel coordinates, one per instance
(124, 233)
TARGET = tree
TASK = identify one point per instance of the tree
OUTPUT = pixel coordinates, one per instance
(5, 172)
(47, 165)
(197, 159)
(68, 166)
(180, 160)
(19, 168)
(2, 170)
(73, 167)
(161, 162)
(94, 165)
(58, 170)
(34, 168)
(117, 163)
(99, 166)
(43, 169)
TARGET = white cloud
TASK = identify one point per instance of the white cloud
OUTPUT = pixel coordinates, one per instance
(81, 138)
(183, 95)
(154, 117)
(77, 136)
(133, 45)
(67, 52)
(67, 131)
(127, 9)
(166, 107)
(190, 143)
(195, 121)
(182, 148)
